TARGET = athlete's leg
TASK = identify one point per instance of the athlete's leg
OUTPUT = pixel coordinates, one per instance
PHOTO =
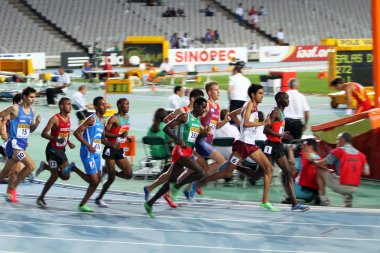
(126, 169)
(232, 162)
(81, 174)
(219, 160)
(94, 182)
(24, 158)
(188, 162)
(110, 167)
(160, 180)
(267, 167)
(287, 178)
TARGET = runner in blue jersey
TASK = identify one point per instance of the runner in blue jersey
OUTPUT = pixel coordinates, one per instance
(21, 124)
(91, 135)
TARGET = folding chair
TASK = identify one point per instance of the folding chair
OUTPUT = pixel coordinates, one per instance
(149, 166)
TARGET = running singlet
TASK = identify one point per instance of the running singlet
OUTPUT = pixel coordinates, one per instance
(93, 135)
(189, 131)
(360, 94)
(19, 127)
(123, 126)
(63, 131)
(248, 134)
(211, 119)
(278, 127)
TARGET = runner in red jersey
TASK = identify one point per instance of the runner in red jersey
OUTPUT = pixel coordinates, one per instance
(356, 91)
(59, 128)
(274, 149)
(116, 130)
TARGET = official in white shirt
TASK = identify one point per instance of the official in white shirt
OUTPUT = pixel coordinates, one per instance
(61, 87)
(175, 100)
(297, 111)
(238, 87)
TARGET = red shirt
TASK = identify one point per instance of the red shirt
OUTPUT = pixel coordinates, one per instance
(63, 131)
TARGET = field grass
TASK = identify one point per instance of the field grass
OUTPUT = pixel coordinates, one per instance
(309, 83)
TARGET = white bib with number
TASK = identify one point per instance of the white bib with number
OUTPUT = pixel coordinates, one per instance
(97, 145)
(23, 131)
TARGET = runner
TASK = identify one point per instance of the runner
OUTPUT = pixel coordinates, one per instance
(91, 135)
(116, 131)
(21, 124)
(194, 94)
(189, 127)
(273, 147)
(59, 128)
(245, 144)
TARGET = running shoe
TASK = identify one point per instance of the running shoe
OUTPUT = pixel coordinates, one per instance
(347, 200)
(175, 192)
(101, 203)
(84, 208)
(169, 200)
(269, 207)
(300, 208)
(188, 195)
(41, 202)
(40, 168)
(146, 193)
(149, 210)
(68, 169)
(324, 200)
(199, 189)
(12, 196)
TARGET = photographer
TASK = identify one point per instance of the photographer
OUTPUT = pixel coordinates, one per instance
(237, 86)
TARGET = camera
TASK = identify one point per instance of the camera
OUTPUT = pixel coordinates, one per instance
(237, 63)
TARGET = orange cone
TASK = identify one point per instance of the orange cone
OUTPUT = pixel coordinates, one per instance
(322, 75)
(153, 87)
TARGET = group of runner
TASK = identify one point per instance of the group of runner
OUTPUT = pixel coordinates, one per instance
(191, 127)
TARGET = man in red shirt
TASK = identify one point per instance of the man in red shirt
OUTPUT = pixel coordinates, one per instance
(348, 165)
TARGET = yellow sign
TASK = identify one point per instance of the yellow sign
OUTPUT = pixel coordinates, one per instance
(120, 86)
(354, 42)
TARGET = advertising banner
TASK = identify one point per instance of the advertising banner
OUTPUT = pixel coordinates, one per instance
(207, 55)
(295, 53)
(38, 59)
(76, 59)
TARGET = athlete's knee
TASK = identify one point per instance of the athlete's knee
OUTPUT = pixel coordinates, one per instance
(64, 176)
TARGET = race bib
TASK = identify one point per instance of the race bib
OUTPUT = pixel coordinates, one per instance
(23, 131)
(282, 128)
(213, 125)
(194, 131)
(53, 164)
(64, 136)
(97, 145)
(268, 150)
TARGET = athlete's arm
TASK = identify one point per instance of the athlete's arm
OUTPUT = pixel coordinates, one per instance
(113, 121)
(90, 121)
(268, 128)
(53, 123)
(247, 115)
(3, 123)
(35, 124)
(182, 118)
(222, 123)
(234, 115)
(173, 115)
(13, 109)
(106, 142)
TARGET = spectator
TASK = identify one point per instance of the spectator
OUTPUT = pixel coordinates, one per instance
(174, 41)
(165, 69)
(175, 100)
(356, 91)
(157, 130)
(237, 87)
(239, 11)
(297, 110)
(227, 130)
(85, 72)
(280, 36)
(209, 36)
(349, 164)
(262, 11)
(252, 46)
(184, 41)
(216, 37)
(108, 68)
(80, 104)
(209, 11)
(251, 12)
(61, 87)
(186, 98)
(180, 13)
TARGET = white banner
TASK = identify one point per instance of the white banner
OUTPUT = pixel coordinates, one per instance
(207, 55)
(295, 53)
(38, 59)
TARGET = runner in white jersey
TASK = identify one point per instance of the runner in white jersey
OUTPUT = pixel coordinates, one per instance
(244, 146)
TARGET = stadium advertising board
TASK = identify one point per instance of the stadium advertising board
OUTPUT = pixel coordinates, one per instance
(353, 66)
(207, 55)
(38, 59)
(294, 53)
(76, 60)
(147, 52)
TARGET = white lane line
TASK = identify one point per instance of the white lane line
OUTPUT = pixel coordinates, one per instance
(173, 217)
(154, 244)
(227, 233)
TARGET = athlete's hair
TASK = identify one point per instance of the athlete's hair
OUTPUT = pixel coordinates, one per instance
(62, 100)
(312, 142)
(336, 81)
(120, 101)
(16, 98)
(253, 89)
(223, 114)
(199, 101)
(196, 93)
(280, 95)
(208, 85)
(177, 88)
(28, 90)
(97, 100)
(82, 87)
(159, 116)
(346, 136)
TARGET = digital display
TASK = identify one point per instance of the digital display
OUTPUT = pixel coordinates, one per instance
(355, 66)
(152, 53)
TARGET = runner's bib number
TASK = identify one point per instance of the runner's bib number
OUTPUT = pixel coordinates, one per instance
(194, 131)
(64, 136)
(268, 150)
(97, 145)
(23, 131)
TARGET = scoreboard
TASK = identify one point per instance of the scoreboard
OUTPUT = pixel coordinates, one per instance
(355, 66)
